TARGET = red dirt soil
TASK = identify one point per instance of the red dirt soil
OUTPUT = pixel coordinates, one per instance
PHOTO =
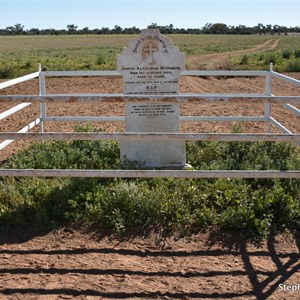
(68, 264)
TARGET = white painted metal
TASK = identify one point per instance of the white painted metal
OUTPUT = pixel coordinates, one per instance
(286, 78)
(267, 114)
(160, 97)
(94, 136)
(181, 98)
(150, 173)
(183, 73)
(182, 119)
(223, 119)
(85, 119)
(280, 126)
(43, 108)
(81, 73)
(23, 130)
(222, 73)
(13, 110)
(267, 98)
(15, 81)
(5, 144)
(268, 86)
(293, 109)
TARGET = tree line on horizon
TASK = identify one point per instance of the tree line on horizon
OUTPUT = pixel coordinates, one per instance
(209, 28)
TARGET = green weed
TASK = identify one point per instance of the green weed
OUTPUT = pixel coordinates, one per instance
(287, 54)
(7, 71)
(250, 207)
(297, 53)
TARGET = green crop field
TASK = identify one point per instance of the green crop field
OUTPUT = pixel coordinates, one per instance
(20, 55)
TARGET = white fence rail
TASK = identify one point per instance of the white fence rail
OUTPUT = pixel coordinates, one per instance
(150, 136)
(13, 110)
(150, 173)
(12, 82)
(267, 98)
(23, 130)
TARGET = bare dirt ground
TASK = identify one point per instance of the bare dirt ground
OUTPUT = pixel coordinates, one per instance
(71, 265)
(68, 264)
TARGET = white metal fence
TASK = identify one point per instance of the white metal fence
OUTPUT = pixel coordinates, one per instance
(267, 98)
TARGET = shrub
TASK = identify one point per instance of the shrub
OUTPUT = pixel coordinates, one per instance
(101, 59)
(244, 60)
(271, 57)
(287, 54)
(251, 207)
(297, 53)
(293, 66)
(7, 71)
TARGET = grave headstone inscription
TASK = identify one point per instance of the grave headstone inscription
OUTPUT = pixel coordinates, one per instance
(152, 65)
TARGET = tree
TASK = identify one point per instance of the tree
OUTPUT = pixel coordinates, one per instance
(259, 28)
(17, 29)
(269, 28)
(219, 28)
(34, 31)
(85, 30)
(206, 28)
(117, 29)
(104, 30)
(131, 30)
(153, 26)
(10, 30)
(71, 28)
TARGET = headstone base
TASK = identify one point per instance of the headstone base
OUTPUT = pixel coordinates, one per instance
(153, 154)
(158, 118)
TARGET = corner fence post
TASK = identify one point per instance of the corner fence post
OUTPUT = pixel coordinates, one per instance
(42, 92)
(268, 92)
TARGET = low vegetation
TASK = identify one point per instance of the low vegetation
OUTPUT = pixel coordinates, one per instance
(283, 60)
(252, 208)
(19, 55)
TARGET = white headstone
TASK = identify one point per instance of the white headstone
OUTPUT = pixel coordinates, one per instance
(152, 65)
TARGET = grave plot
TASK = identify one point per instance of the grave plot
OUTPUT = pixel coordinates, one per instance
(151, 68)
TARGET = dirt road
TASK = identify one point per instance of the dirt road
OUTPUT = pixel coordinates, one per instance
(219, 60)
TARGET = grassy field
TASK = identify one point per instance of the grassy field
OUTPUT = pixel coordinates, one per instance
(20, 55)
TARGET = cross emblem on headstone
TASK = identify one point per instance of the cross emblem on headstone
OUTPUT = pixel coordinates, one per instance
(149, 51)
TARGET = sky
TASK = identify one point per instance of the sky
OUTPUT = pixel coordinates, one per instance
(45, 14)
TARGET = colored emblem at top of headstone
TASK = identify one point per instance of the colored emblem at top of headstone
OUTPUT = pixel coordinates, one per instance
(151, 64)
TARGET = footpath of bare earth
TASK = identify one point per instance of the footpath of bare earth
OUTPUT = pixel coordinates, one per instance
(72, 264)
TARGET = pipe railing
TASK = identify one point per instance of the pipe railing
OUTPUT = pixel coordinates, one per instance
(267, 98)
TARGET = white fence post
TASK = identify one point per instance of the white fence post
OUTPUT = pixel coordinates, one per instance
(268, 92)
(42, 92)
